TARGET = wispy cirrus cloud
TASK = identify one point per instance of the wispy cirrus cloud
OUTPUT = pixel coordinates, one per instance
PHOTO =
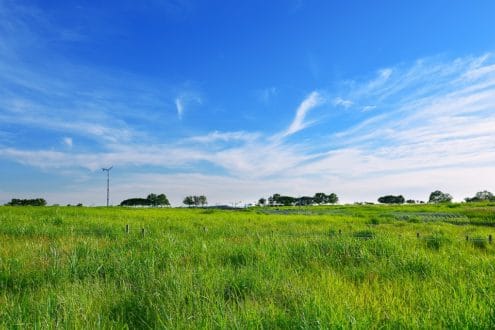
(313, 100)
(186, 99)
(216, 136)
(338, 101)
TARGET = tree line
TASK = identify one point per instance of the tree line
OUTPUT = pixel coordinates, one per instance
(160, 200)
(195, 201)
(153, 200)
(438, 196)
(318, 198)
(27, 202)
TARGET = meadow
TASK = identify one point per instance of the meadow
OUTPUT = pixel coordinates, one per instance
(365, 266)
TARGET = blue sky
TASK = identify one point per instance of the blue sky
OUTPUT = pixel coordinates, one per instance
(238, 100)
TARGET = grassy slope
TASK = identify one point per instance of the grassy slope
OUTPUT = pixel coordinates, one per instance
(76, 267)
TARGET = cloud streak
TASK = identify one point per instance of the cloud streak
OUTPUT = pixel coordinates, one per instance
(186, 99)
(313, 100)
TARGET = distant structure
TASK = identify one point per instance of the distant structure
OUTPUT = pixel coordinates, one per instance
(108, 183)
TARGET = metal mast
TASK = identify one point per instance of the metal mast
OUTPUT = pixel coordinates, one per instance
(108, 183)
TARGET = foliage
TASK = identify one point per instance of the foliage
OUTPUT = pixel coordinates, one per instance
(391, 199)
(318, 198)
(481, 196)
(151, 200)
(439, 197)
(27, 202)
(195, 200)
(322, 198)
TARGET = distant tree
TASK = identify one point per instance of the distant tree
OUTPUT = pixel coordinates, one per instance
(481, 196)
(411, 201)
(27, 202)
(189, 201)
(274, 200)
(320, 198)
(135, 202)
(195, 200)
(391, 199)
(304, 201)
(285, 200)
(153, 200)
(439, 197)
(79, 204)
(162, 200)
(262, 202)
(158, 200)
(332, 198)
(202, 201)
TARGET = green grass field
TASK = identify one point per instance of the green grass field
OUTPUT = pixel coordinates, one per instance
(318, 267)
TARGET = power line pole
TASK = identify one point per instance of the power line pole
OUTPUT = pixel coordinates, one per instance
(108, 183)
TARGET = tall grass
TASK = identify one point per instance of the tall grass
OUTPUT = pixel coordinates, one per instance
(325, 267)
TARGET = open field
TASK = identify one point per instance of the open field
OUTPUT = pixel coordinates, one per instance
(316, 267)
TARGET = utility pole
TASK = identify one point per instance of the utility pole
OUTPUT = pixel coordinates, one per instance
(108, 183)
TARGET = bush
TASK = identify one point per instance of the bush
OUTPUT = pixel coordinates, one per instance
(439, 197)
(391, 199)
(27, 202)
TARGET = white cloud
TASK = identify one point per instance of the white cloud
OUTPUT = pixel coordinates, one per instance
(216, 136)
(368, 108)
(186, 99)
(179, 104)
(343, 103)
(311, 101)
(68, 141)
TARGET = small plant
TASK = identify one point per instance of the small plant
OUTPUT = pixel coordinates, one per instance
(375, 221)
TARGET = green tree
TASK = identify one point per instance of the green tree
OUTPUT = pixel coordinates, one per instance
(274, 199)
(439, 197)
(262, 202)
(189, 201)
(332, 198)
(391, 199)
(286, 200)
(320, 198)
(152, 198)
(162, 200)
(202, 201)
(304, 201)
(481, 196)
(27, 202)
(136, 202)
